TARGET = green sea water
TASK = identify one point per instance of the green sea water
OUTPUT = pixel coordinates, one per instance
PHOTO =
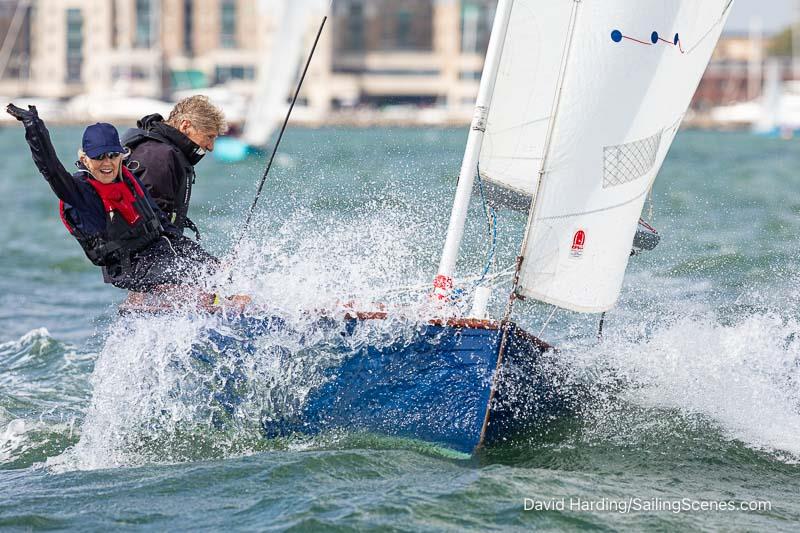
(691, 418)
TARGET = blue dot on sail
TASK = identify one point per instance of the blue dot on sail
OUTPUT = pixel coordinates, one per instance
(654, 37)
(616, 36)
(677, 39)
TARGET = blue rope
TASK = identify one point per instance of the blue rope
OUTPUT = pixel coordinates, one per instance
(491, 217)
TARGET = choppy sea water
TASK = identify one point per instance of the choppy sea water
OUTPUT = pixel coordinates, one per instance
(693, 395)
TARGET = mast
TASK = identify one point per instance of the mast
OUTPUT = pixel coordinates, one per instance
(754, 65)
(455, 230)
(796, 41)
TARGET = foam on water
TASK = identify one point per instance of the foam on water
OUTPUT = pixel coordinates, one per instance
(299, 266)
(162, 381)
(742, 377)
(154, 400)
(11, 439)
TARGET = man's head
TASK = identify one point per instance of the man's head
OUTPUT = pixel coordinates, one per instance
(199, 119)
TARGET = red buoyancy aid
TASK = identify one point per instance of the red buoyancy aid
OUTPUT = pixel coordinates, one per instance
(137, 227)
(118, 197)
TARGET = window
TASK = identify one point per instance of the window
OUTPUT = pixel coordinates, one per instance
(225, 73)
(227, 36)
(144, 36)
(404, 29)
(188, 27)
(74, 45)
(355, 28)
(114, 26)
(477, 17)
(405, 26)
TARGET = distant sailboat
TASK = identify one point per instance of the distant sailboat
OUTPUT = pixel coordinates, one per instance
(276, 73)
(776, 112)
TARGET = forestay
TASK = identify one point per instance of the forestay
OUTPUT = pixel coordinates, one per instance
(590, 96)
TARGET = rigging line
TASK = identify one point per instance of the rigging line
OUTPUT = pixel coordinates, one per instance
(491, 218)
(677, 43)
(636, 40)
(520, 125)
(556, 106)
(600, 327)
(546, 322)
(598, 210)
(249, 218)
(706, 34)
(506, 325)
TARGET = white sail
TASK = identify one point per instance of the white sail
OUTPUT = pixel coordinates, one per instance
(278, 69)
(524, 97)
(592, 95)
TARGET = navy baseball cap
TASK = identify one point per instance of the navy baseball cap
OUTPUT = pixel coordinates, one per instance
(101, 138)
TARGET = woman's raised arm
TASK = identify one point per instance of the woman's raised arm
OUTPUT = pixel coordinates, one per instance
(44, 155)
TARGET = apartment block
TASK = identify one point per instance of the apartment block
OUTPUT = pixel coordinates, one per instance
(373, 54)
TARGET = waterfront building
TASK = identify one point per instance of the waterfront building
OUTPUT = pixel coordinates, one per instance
(375, 54)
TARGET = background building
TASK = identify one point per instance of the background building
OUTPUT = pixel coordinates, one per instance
(375, 54)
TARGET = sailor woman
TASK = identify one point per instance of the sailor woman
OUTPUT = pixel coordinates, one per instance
(111, 215)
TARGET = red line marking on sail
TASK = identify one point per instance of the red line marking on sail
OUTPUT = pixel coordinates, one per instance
(636, 40)
(672, 44)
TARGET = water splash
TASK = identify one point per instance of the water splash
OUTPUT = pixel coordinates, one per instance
(742, 378)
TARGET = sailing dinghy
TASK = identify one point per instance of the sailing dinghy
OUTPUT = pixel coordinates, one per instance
(578, 105)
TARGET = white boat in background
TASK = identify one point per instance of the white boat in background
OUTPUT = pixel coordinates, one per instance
(275, 78)
(776, 113)
(51, 108)
(113, 108)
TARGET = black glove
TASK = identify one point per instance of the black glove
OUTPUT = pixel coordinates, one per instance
(26, 117)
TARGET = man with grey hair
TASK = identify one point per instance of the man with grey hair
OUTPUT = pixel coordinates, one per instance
(167, 151)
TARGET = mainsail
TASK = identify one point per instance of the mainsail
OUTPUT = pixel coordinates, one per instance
(588, 99)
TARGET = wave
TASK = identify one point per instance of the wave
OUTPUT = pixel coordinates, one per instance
(42, 393)
(741, 378)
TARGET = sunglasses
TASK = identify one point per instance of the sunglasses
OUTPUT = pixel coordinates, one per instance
(109, 155)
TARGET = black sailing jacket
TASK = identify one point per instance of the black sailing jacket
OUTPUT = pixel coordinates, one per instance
(166, 159)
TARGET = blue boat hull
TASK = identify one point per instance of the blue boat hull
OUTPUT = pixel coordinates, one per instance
(444, 386)
(234, 150)
(445, 383)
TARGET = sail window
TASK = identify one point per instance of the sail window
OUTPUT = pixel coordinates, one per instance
(628, 162)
